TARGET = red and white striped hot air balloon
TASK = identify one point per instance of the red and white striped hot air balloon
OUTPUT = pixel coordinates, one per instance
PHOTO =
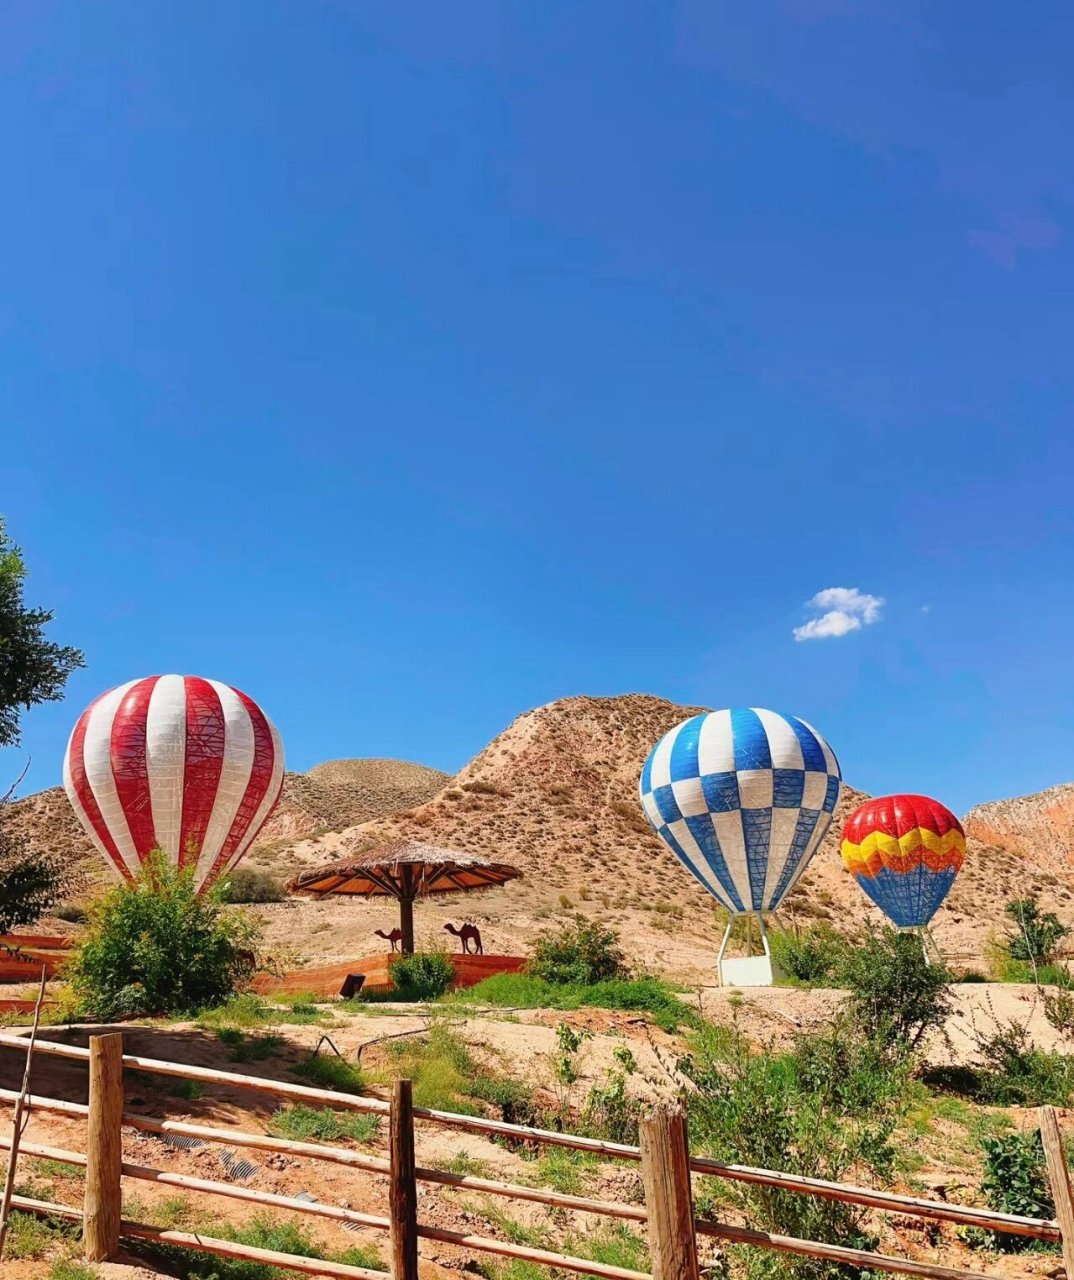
(188, 766)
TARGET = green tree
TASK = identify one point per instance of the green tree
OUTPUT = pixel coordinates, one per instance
(1034, 934)
(32, 669)
(32, 881)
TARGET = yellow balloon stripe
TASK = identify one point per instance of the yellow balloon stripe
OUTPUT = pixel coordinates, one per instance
(905, 853)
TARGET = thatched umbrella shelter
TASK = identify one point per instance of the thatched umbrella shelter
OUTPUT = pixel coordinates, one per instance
(404, 870)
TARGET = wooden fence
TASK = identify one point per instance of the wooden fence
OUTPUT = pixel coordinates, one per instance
(666, 1164)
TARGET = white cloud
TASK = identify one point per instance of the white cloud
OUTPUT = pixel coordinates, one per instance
(840, 610)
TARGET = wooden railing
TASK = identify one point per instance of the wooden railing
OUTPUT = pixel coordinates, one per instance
(664, 1155)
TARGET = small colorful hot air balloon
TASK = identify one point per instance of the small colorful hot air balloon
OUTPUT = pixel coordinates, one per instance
(742, 798)
(905, 852)
(188, 766)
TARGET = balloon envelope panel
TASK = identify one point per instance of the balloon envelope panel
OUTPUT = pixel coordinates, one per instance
(189, 766)
(742, 797)
(905, 852)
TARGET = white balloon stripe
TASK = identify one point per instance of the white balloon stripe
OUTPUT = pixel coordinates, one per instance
(235, 772)
(165, 755)
(97, 757)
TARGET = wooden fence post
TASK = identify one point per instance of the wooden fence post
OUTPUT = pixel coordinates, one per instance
(403, 1186)
(1059, 1177)
(665, 1171)
(103, 1205)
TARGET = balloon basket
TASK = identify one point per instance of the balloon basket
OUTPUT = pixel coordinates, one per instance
(749, 970)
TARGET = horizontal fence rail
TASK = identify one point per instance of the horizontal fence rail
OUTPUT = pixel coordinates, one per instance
(403, 1174)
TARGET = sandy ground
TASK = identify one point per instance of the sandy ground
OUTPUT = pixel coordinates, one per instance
(522, 1042)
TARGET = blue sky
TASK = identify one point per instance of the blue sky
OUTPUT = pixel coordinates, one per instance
(412, 365)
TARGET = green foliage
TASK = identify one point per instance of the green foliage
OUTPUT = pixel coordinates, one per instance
(32, 881)
(70, 1269)
(582, 952)
(1034, 935)
(1015, 1072)
(425, 975)
(330, 1071)
(303, 1123)
(29, 1236)
(828, 1107)
(248, 1010)
(564, 1170)
(247, 884)
(247, 1048)
(812, 956)
(638, 995)
(32, 669)
(1015, 1181)
(895, 994)
(155, 946)
(610, 1112)
(262, 1232)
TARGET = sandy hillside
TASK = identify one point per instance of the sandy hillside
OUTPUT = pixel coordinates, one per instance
(330, 796)
(1039, 826)
(556, 795)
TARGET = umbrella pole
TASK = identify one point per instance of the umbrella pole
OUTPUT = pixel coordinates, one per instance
(406, 923)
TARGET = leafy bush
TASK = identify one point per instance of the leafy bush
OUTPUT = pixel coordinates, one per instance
(825, 1109)
(32, 882)
(247, 884)
(1015, 1073)
(1034, 935)
(895, 994)
(640, 995)
(1015, 1181)
(584, 951)
(810, 956)
(156, 946)
(425, 975)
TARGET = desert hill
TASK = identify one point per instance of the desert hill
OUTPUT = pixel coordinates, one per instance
(329, 797)
(556, 795)
(1040, 826)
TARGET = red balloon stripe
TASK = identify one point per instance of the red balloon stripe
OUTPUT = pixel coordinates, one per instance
(129, 763)
(204, 764)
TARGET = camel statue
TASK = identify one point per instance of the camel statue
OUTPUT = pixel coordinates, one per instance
(394, 937)
(467, 934)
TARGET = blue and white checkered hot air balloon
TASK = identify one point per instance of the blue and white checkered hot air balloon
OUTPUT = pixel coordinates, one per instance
(742, 797)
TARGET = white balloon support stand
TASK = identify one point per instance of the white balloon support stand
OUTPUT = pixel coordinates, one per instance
(933, 954)
(748, 970)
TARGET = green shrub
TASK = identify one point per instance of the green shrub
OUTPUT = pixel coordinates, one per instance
(156, 946)
(1034, 935)
(826, 1109)
(247, 884)
(1015, 1073)
(1015, 1181)
(425, 975)
(895, 994)
(811, 956)
(582, 952)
